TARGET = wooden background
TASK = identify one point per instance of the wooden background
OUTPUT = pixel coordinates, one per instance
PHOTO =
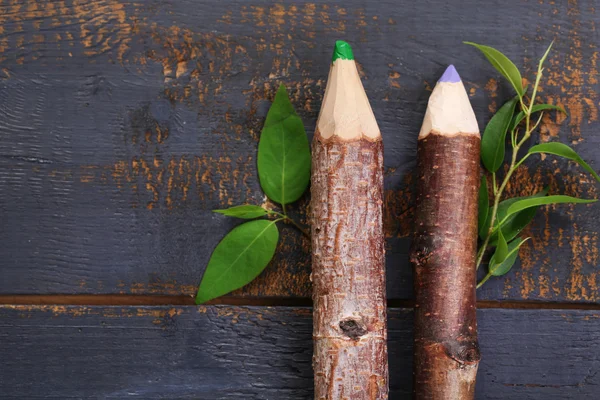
(123, 123)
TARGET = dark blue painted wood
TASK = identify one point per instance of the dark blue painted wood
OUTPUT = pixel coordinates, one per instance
(221, 352)
(122, 124)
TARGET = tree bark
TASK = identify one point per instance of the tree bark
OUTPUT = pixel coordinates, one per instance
(349, 331)
(443, 253)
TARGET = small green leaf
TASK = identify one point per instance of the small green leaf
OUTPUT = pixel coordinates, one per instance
(239, 258)
(283, 152)
(545, 55)
(499, 268)
(562, 150)
(540, 201)
(484, 205)
(246, 211)
(501, 248)
(536, 108)
(502, 65)
(493, 142)
(517, 222)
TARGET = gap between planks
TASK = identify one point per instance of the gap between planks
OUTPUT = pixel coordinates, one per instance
(182, 300)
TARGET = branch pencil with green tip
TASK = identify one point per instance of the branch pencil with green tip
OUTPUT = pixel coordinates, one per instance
(348, 275)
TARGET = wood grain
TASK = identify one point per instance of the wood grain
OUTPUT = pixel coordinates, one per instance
(443, 255)
(350, 356)
(222, 352)
(122, 124)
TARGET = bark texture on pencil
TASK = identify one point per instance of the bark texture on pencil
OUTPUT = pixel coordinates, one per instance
(446, 354)
(349, 331)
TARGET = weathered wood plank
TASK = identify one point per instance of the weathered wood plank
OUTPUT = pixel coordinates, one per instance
(221, 352)
(122, 124)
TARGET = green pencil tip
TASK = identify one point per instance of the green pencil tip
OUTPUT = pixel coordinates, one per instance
(342, 50)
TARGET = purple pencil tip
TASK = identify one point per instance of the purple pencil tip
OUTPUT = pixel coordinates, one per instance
(450, 75)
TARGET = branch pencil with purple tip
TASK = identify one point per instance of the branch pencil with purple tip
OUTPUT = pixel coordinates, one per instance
(444, 246)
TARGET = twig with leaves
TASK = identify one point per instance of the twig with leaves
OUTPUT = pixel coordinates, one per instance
(500, 223)
(284, 173)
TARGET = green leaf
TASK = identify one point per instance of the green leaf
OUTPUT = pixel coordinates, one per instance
(517, 222)
(501, 250)
(562, 150)
(239, 258)
(540, 201)
(493, 142)
(545, 55)
(503, 65)
(283, 152)
(499, 268)
(246, 211)
(536, 108)
(484, 206)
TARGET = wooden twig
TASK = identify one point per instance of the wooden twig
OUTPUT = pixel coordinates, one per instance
(350, 350)
(446, 354)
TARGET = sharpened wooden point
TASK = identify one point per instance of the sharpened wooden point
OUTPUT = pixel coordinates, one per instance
(449, 111)
(346, 113)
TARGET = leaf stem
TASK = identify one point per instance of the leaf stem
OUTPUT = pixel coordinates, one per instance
(286, 218)
(497, 198)
(484, 280)
(513, 137)
(276, 213)
(498, 193)
(516, 144)
(298, 226)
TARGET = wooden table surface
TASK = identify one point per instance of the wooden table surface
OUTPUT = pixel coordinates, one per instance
(124, 123)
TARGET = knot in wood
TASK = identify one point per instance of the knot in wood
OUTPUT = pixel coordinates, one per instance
(465, 351)
(470, 355)
(354, 328)
(421, 250)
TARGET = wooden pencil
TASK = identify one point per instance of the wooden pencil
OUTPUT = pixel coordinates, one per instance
(446, 354)
(350, 350)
